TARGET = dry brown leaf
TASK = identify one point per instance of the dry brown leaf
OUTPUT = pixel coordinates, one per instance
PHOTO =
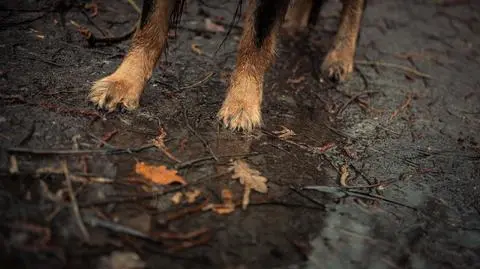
(176, 198)
(227, 207)
(250, 178)
(159, 142)
(159, 174)
(344, 175)
(192, 195)
(285, 133)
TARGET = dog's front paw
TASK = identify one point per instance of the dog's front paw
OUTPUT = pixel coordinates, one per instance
(338, 65)
(112, 91)
(240, 114)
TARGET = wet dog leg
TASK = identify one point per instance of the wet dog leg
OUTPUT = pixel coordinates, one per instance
(126, 84)
(298, 15)
(338, 63)
(242, 105)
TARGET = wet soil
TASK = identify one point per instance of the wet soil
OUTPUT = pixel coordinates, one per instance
(405, 128)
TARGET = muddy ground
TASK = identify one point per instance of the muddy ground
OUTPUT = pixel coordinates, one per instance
(405, 128)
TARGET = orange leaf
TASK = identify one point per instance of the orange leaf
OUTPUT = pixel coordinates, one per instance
(159, 174)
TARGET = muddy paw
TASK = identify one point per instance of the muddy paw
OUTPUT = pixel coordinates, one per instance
(337, 67)
(240, 115)
(108, 93)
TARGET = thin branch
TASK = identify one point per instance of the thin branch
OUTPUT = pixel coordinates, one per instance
(74, 204)
(396, 66)
(80, 151)
(205, 143)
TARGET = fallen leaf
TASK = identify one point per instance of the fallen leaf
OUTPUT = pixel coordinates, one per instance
(176, 198)
(159, 174)
(227, 207)
(159, 142)
(192, 195)
(248, 177)
(344, 175)
(213, 27)
(285, 133)
(122, 260)
(196, 49)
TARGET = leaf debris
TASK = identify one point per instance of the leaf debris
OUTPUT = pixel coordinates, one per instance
(250, 178)
(159, 174)
(227, 207)
(285, 133)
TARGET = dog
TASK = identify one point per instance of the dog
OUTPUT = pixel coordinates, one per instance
(241, 109)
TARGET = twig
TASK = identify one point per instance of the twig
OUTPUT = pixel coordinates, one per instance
(93, 23)
(202, 240)
(135, 6)
(94, 40)
(307, 197)
(106, 137)
(353, 98)
(10, 24)
(75, 152)
(208, 76)
(96, 222)
(340, 192)
(147, 196)
(205, 144)
(180, 236)
(404, 105)
(74, 203)
(208, 158)
(396, 66)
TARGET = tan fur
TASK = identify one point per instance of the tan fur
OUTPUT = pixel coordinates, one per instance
(126, 84)
(338, 63)
(297, 15)
(241, 108)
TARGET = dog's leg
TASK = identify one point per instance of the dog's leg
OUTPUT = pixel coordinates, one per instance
(298, 15)
(338, 63)
(241, 108)
(126, 84)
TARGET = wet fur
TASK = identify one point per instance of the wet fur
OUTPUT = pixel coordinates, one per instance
(242, 106)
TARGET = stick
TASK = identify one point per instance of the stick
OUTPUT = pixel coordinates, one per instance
(396, 66)
(203, 159)
(76, 152)
(205, 144)
(74, 203)
(209, 75)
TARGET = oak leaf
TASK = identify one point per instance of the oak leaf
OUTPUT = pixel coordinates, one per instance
(249, 178)
(159, 174)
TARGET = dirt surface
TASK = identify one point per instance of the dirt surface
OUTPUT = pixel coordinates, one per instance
(405, 129)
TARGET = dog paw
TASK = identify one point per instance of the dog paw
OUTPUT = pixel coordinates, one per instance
(337, 66)
(109, 93)
(238, 114)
